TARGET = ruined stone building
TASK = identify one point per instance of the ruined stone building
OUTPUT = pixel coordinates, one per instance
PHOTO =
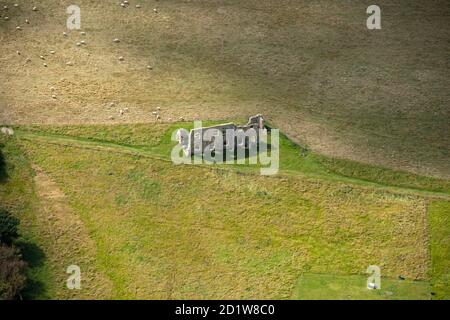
(200, 139)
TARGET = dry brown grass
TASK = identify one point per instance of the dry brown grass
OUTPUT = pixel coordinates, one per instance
(311, 67)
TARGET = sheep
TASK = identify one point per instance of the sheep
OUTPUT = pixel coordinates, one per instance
(52, 51)
(65, 34)
(6, 18)
(18, 28)
(121, 58)
(42, 57)
(138, 6)
(27, 21)
(116, 40)
(35, 9)
(83, 33)
(69, 63)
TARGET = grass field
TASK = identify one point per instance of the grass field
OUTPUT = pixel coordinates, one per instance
(364, 152)
(338, 287)
(162, 231)
(312, 68)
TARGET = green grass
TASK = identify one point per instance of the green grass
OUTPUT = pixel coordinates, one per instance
(354, 287)
(439, 221)
(294, 158)
(156, 226)
(165, 231)
(17, 194)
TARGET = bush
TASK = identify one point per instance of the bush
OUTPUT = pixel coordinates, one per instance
(8, 227)
(12, 272)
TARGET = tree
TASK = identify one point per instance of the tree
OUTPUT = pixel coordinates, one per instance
(12, 272)
(8, 227)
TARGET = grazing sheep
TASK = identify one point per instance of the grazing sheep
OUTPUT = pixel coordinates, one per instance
(116, 40)
(45, 65)
(83, 42)
(18, 28)
(54, 96)
(138, 6)
(155, 10)
(52, 51)
(42, 57)
(121, 58)
(78, 44)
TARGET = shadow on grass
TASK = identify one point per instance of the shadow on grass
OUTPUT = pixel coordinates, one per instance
(35, 258)
(3, 173)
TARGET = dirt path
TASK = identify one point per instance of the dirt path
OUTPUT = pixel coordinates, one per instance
(69, 243)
